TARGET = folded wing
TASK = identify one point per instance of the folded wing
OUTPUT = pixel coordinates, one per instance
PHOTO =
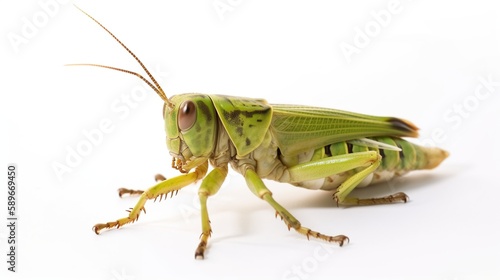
(301, 128)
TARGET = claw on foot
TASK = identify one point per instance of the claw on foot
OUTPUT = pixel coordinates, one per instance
(400, 197)
(133, 216)
(199, 254)
(98, 227)
(340, 239)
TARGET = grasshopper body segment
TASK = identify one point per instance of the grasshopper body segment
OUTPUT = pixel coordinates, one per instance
(310, 147)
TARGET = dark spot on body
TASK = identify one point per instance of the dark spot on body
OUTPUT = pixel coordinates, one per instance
(248, 142)
(250, 114)
(233, 117)
(204, 109)
(401, 153)
(328, 152)
(382, 153)
(349, 148)
(251, 125)
(239, 130)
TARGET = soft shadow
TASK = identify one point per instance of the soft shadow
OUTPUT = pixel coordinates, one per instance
(407, 183)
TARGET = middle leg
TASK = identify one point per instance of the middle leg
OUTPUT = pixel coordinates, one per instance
(209, 186)
(260, 190)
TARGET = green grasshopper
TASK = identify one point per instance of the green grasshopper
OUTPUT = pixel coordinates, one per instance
(309, 147)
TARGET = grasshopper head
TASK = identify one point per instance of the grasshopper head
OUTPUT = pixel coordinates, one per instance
(190, 119)
(190, 124)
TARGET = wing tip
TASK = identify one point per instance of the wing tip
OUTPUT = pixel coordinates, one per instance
(405, 126)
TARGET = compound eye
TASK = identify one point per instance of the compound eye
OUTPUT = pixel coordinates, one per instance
(187, 115)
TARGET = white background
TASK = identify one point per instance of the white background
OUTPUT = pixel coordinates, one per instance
(423, 65)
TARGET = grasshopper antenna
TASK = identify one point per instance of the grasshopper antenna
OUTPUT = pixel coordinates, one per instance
(154, 85)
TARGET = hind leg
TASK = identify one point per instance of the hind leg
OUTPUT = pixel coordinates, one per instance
(325, 167)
